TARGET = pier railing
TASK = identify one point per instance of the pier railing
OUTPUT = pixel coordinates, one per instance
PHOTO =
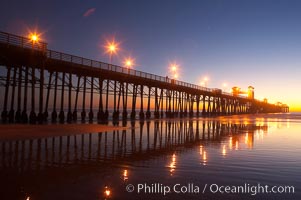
(11, 39)
(106, 66)
(24, 42)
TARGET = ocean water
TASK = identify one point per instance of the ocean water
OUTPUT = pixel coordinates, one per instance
(232, 157)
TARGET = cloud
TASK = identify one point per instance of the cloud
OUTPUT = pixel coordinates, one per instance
(89, 12)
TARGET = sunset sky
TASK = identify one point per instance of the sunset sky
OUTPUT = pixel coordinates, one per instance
(240, 43)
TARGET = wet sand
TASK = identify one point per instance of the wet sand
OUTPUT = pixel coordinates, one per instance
(26, 131)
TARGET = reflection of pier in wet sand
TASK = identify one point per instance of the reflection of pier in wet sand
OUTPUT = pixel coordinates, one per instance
(148, 140)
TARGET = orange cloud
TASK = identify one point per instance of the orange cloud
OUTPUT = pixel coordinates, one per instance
(89, 12)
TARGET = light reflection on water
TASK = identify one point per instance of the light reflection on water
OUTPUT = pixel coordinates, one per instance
(225, 150)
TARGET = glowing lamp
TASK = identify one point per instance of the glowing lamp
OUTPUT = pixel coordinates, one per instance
(107, 192)
(34, 37)
(174, 68)
(128, 63)
(112, 48)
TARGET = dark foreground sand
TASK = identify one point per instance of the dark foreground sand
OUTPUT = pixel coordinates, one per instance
(26, 131)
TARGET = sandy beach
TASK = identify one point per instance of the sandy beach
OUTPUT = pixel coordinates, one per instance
(26, 131)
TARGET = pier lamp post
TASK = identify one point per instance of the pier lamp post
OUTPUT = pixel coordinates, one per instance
(203, 82)
(206, 79)
(173, 68)
(34, 39)
(129, 63)
(225, 85)
(111, 48)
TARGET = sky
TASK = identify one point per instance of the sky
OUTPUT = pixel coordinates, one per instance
(238, 42)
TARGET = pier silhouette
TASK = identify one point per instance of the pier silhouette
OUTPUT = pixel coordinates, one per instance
(39, 84)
